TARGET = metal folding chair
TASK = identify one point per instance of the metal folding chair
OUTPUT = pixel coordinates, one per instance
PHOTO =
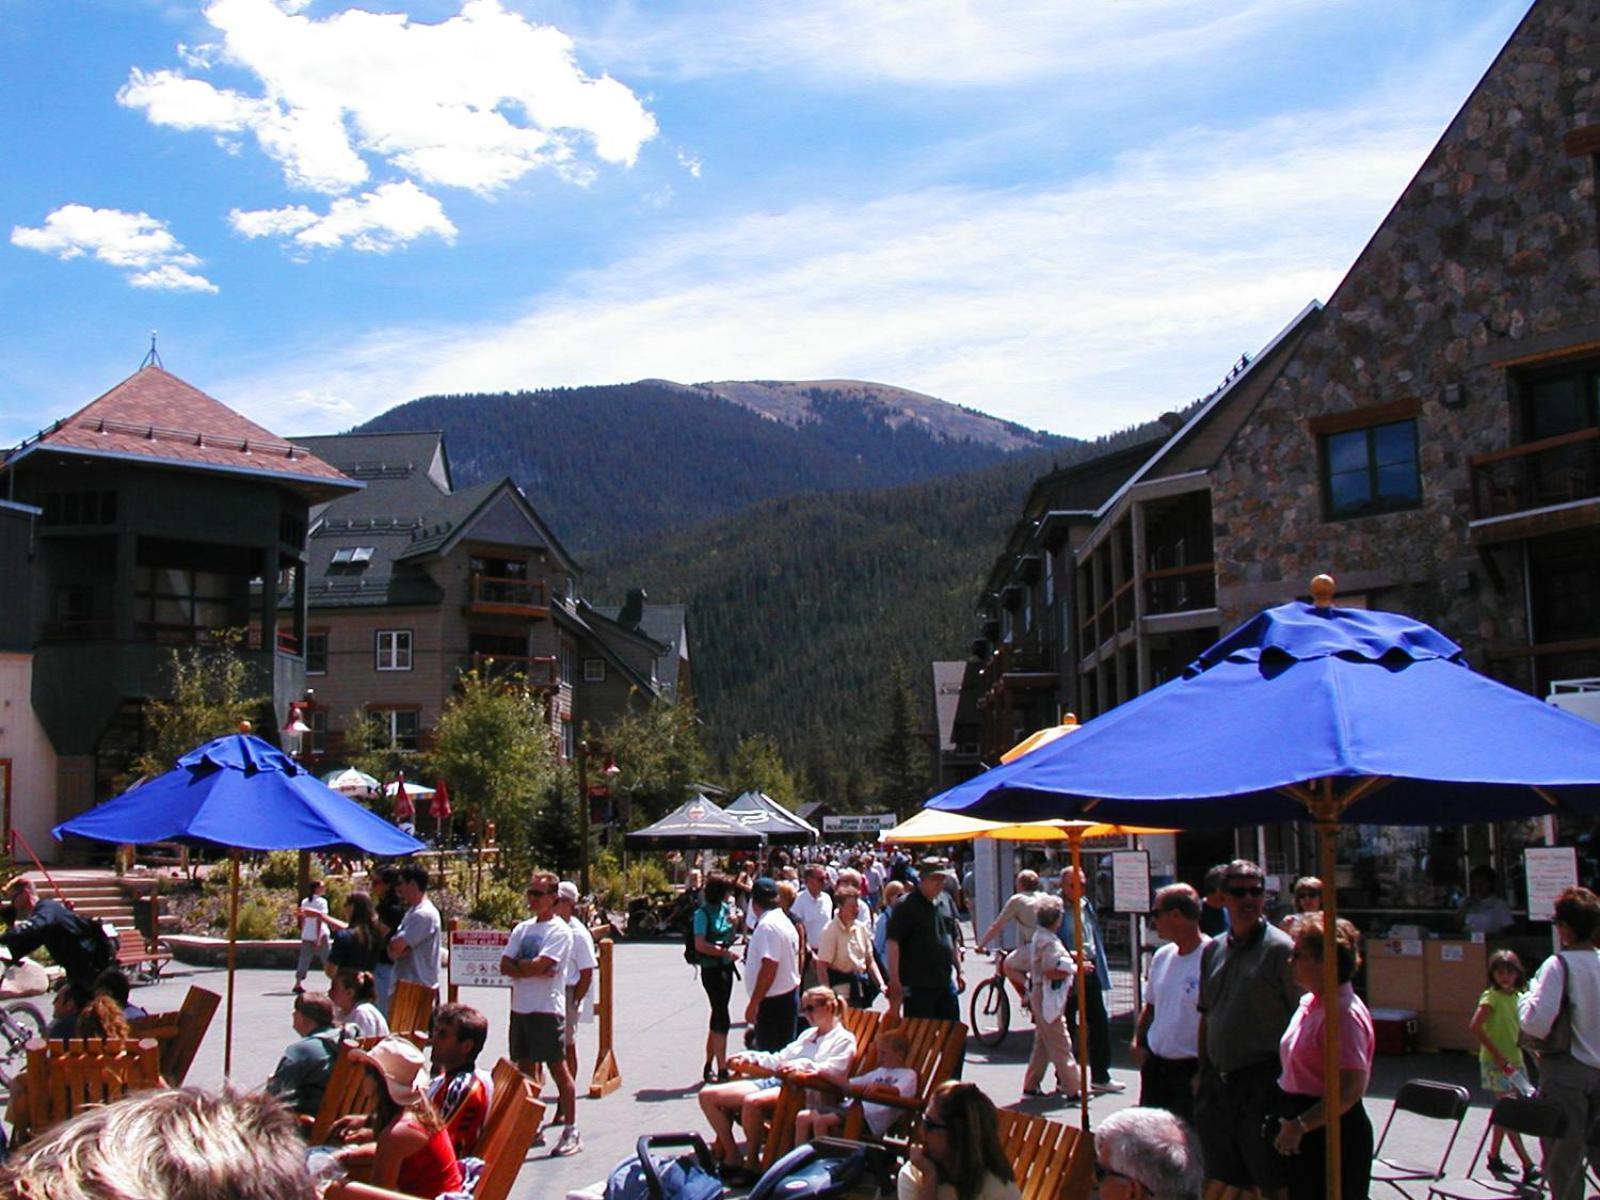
(1426, 1100)
(1513, 1114)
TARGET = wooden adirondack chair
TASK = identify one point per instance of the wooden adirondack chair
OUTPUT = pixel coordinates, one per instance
(506, 1141)
(352, 1091)
(863, 1023)
(65, 1077)
(1052, 1161)
(410, 1008)
(179, 1032)
(937, 1049)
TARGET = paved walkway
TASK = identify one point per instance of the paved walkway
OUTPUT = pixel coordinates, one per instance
(661, 1021)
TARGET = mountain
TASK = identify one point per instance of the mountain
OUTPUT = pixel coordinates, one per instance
(603, 464)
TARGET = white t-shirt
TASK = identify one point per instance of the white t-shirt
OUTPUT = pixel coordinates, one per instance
(311, 929)
(1172, 989)
(582, 957)
(533, 939)
(881, 1116)
(419, 929)
(775, 938)
(814, 912)
(1579, 972)
(365, 1019)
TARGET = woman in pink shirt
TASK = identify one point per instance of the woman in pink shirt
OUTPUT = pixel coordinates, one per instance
(1302, 1138)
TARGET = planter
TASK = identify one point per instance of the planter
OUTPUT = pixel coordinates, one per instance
(279, 954)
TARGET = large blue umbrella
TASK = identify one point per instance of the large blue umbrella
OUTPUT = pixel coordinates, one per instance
(1345, 715)
(239, 793)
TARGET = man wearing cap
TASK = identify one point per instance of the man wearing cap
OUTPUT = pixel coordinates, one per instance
(79, 945)
(772, 971)
(536, 960)
(923, 950)
(581, 964)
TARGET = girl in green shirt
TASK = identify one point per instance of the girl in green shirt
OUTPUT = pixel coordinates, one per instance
(1496, 1026)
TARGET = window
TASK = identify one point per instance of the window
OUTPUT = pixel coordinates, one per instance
(316, 652)
(394, 650)
(566, 664)
(594, 670)
(79, 508)
(569, 740)
(316, 742)
(395, 728)
(1049, 578)
(180, 605)
(1371, 470)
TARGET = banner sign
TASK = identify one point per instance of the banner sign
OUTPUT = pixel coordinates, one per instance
(475, 958)
(859, 823)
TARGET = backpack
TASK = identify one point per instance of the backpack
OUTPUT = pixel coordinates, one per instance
(690, 954)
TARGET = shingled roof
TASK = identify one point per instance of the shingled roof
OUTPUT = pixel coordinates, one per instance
(154, 417)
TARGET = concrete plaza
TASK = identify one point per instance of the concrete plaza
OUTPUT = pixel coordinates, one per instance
(660, 1029)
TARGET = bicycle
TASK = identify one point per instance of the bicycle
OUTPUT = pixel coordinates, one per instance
(989, 1010)
(20, 1023)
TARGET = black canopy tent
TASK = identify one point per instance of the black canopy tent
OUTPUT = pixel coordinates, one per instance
(760, 812)
(697, 825)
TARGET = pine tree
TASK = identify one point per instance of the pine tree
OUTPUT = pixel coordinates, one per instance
(901, 756)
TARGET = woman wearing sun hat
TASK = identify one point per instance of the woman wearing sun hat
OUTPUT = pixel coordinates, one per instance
(413, 1153)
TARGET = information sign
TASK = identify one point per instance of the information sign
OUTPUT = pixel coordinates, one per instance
(1551, 871)
(859, 823)
(1130, 881)
(475, 958)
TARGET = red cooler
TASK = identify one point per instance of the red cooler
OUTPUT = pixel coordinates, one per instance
(1396, 1030)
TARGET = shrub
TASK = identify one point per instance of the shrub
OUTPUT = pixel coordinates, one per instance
(257, 922)
(500, 906)
(282, 869)
(613, 886)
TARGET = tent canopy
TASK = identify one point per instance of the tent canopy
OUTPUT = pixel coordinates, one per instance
(760, 813)
(697, 825)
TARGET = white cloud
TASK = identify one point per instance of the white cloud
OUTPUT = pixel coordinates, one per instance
(476, 101)
(690, 163)
(377, 221)
(1081, 307)
(136, 243)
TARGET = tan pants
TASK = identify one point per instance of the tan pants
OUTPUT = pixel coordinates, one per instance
(1052, 1047)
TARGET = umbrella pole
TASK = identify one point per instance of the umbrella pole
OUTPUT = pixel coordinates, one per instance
(1327, 864)
(1079, 913)
(233, 952)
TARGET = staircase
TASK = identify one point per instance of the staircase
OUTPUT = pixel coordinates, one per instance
(89, 893)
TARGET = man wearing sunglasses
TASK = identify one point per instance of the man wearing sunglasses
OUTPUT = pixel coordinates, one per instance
(1247, 995)
(535, 959)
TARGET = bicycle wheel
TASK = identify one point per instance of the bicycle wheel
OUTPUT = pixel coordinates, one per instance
(989, 1014)
(18, 1025)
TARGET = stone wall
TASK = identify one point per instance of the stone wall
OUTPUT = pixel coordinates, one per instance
(1489, 253)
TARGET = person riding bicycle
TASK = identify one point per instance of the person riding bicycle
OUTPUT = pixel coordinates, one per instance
(1023, 908)
(78, 945)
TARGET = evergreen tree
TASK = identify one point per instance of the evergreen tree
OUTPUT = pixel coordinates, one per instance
(659, 756)
(758, 766)
(902, 759)
(555, 833)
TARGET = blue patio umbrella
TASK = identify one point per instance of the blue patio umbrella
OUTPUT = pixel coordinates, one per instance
(239, 793)
(1342, 715)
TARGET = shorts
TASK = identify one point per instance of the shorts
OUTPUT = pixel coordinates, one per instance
(569, 1031)
(538, 1037)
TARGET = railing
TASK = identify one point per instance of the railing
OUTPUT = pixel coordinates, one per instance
(287, 642)
(1550, 471)
(520, 593)
(1180, 589)
(540, 671)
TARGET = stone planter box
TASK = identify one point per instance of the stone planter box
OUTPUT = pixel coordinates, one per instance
(280, 954)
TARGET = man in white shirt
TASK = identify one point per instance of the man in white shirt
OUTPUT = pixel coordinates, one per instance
(535, 958)
(872, 879)
(1166, 1038)
(414, 948)
(813, 908)
(771, 971)
(581, 964)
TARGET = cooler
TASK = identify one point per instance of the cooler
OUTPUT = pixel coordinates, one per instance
(1395, 1030)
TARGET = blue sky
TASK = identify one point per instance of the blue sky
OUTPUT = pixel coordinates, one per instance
(1068, 213)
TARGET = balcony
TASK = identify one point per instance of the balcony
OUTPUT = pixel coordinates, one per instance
(1190, 588)
(491, 595)
(539, 672)
(1538, 487)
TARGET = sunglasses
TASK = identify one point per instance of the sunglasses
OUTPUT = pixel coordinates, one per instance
(1240, 893)
(540, 892)
(815, 1005)
(1307, 893)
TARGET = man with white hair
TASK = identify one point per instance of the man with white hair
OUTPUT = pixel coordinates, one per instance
(581, 964)
(1146, 1154)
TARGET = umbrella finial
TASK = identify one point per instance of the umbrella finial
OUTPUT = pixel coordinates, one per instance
(1322, 589)
(245, 727)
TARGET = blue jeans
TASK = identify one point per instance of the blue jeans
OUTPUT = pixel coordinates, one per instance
(383, 977)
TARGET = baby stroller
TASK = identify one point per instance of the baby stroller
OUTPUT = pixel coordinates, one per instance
(829, 1169)
(650, 1175)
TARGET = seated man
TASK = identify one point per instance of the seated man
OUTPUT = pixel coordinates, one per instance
(114, 982)
(70, 1000)
(459, 1091)
(302, 1073)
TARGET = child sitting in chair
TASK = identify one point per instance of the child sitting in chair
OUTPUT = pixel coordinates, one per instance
(891, 1076)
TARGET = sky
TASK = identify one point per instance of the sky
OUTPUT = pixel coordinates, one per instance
(1073, 214)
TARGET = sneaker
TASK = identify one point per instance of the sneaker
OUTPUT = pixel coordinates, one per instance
(1497, 1166)
(1531, 1175)
(570, 1143)
(1110, 1085)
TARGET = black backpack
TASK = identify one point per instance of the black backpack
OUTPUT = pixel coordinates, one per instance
(690, 954)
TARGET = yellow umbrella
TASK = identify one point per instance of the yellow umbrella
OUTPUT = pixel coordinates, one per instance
(932, 825)
(1041, 737)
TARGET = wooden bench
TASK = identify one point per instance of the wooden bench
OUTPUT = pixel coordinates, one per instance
(66, 1077)
(138, 957)
(179, 1032)
(1052, 1161)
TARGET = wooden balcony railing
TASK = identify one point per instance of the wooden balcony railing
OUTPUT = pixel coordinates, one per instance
(1180, 589)
(492, 592)
(537, 671)
(1550, 471)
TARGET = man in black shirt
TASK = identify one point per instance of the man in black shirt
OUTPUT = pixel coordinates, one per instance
(923, 950)
(80, 946)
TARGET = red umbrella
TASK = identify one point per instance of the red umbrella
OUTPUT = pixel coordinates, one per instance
(404, 810)
(441, 803)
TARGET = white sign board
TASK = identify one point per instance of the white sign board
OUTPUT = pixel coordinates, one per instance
(1130, 881)
(475, 958)
(1551, 871)
(859, 823)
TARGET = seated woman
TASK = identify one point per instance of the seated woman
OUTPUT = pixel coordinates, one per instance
(413, 1153)
(959, 1156)
(102, 1019)
(825, 1049)
(354, 995)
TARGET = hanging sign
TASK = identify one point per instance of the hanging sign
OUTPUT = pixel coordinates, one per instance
(859, 823)
(1551, 870)
(1130, 881)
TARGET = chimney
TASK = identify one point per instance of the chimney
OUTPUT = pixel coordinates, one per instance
(633, 611)
(1172, 421)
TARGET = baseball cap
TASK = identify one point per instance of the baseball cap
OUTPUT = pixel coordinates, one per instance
(934, 866)
(566, 890)
(765, 890)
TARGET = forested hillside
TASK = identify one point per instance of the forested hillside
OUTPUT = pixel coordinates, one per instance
(605, 463)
